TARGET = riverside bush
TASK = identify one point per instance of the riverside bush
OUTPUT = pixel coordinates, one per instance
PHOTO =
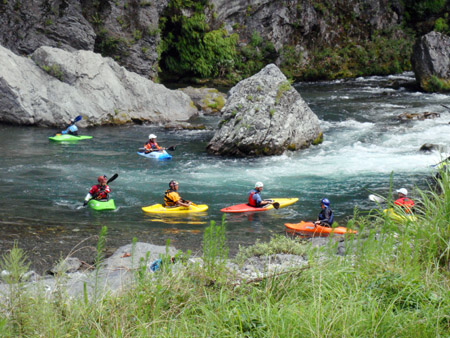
(190, 47)
(392, 281)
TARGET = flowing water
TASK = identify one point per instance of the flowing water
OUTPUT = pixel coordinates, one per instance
(43, 184)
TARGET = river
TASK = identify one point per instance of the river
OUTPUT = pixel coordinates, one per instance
(43, 184)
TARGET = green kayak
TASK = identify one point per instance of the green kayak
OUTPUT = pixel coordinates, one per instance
(68, 138)
(102, 205)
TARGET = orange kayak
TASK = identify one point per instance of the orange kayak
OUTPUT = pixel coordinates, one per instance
(311, 230)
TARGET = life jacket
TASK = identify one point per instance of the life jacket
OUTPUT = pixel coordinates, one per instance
(251, 201)
(322, 215)
(169, 198)
(152, 146)
(406, 203)
(71, 130)
(99, 194)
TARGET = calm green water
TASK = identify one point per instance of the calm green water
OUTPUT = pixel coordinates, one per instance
(43, 184)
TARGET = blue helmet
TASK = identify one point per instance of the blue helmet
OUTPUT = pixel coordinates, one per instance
(325, 202)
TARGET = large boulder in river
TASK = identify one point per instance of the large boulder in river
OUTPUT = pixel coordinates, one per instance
(56, 85)
(431, 61)
(264, 115)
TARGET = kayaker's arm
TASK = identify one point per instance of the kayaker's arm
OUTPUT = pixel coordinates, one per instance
(87, 198)
(184, 203)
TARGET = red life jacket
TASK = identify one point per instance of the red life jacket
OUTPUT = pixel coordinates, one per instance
(251, 201)
(405, 202)
(98, 194)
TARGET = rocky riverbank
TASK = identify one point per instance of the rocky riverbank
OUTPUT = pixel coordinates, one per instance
(119, 270)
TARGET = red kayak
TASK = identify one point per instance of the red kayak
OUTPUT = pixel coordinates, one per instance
(311, 230)
(281, 203)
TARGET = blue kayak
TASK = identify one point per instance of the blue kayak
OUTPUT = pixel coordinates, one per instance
(160, 155)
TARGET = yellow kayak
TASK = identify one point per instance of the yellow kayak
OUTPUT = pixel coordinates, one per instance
(399, 217)
(160, 209)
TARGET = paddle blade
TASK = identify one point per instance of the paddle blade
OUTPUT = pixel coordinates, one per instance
(112, 178)
(375, 198)
(78, 118)
(172, 148)
(276, 205)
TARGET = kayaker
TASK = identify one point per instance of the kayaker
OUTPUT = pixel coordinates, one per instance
(99, 191)
(72, 129)
(404, 201)
(151, 144)
(325, 217)
(254, 196)
(172, 198)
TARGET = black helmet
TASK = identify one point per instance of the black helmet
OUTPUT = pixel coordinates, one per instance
(172, 183)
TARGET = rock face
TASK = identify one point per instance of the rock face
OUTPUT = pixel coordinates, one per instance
(207, 100)
(431, 57)
(56, 85)
(127, 29)
(264, 115)
(281, 21)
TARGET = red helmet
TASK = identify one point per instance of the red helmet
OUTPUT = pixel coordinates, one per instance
(101, 179)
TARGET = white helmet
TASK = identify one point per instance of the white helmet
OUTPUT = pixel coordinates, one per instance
(403, 191)
(151, 136)
(259, 185)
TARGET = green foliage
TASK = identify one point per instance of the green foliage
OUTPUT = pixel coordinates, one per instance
(318, 139)
(109, 45)
(190, 47)
(137, 34)
(215, 251)
(380, 55)
(442, 25)
(435, 84)
(251, 58)
(15, 264)
(96, 19)
(417, 11)
(99, 258)
(282, 88)
(153, 31)
(53, 70)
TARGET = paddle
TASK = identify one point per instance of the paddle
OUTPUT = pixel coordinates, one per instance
(276, 205)
(171, 148)
(443, 105)
(375, 198)
(192, 203)
(445, 160)
(113, 177)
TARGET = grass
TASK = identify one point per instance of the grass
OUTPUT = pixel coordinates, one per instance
(392, 282)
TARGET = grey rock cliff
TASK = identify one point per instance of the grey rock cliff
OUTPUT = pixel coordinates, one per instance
(56, 85)
(126, 29)
(264, 115)
(431, 57)
(301, 22)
